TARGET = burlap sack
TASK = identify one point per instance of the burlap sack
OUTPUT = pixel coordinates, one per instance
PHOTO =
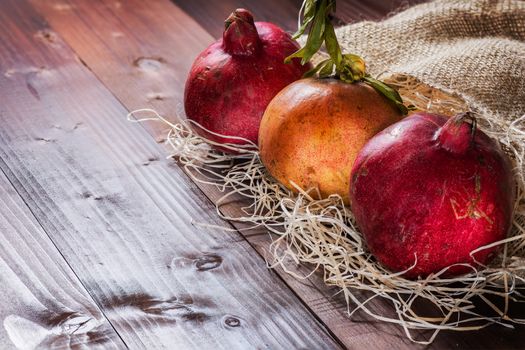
(473, 48)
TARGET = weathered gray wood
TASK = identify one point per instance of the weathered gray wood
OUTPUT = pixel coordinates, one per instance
(121, 215)
(43, 303)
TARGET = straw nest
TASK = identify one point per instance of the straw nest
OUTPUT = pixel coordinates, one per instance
(322, 233)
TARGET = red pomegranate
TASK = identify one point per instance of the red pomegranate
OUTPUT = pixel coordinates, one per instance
(434, 189)
(233, 80)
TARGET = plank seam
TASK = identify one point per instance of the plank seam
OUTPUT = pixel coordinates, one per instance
(2, 169)
(322, 325)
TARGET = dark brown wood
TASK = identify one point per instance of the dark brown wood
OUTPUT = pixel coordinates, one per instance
(111, 61)
(43, 303)
(349, 11)
(136, 68)
(121, 215)
(211, 14)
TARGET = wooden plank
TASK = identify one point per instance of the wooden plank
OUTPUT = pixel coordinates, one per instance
(43, 303)
(130, 85)
(121, 215)
(211, 14)
(350, 11)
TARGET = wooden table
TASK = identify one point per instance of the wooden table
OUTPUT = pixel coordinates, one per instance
(97, 242)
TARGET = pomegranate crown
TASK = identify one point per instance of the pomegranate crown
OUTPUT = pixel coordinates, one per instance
(458, 133)
(315, 15)
(240, 37)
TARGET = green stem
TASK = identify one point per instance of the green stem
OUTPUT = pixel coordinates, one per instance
(349, 68)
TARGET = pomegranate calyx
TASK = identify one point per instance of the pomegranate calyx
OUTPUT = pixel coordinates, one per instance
(348, 68)
(240, 35)
(457, 134)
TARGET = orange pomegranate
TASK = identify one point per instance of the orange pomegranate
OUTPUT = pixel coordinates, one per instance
(312, 130)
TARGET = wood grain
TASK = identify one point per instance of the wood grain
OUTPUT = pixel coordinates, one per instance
(105, 58)
(43, 302)
(211, 14)
(350, 11)
(121, 214)
(112, 61)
